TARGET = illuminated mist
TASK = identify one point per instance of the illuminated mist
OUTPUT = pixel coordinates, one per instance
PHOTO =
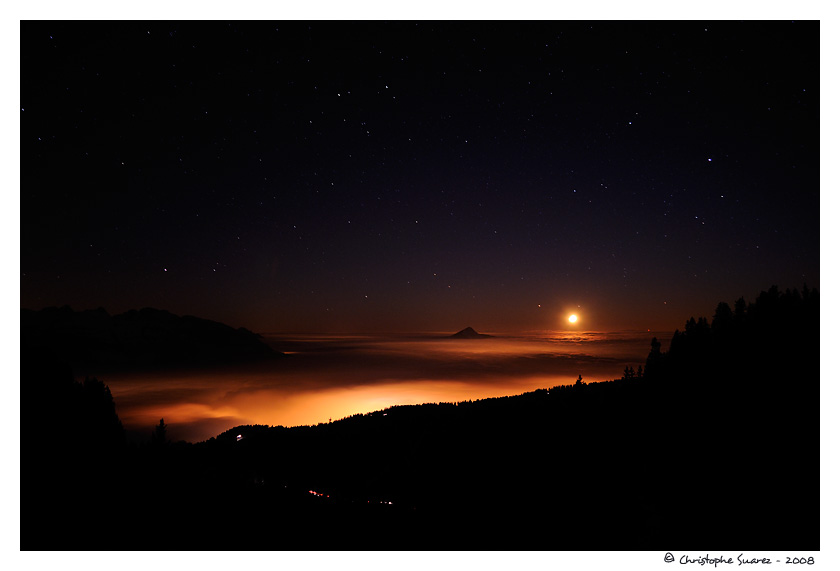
(331, 377)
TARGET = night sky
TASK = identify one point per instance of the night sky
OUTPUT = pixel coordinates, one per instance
(408, 176)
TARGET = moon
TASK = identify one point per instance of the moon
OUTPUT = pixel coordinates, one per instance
(572, 318)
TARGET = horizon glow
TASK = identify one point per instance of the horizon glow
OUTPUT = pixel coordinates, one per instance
(328, 378)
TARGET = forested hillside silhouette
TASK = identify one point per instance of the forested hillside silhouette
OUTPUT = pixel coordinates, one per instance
(72, 448)
(715, 444)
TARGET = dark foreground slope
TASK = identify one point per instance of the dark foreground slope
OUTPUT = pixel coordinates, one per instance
(715, 447)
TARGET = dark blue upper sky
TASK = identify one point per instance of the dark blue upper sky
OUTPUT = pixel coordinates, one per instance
(336, 176)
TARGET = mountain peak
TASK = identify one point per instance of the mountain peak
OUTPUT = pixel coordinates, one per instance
(469, 333)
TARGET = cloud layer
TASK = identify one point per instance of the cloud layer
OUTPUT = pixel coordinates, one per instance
(325, 378)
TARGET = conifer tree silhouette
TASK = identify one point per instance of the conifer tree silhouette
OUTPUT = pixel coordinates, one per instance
(159, 436)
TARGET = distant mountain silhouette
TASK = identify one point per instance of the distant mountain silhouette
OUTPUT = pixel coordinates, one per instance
(469, 333)
(137, 339)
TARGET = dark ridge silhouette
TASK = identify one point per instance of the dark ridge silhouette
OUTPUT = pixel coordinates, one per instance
(715, 443)
(742, 397)
(469, 333)
(137, 339)
(72, 453)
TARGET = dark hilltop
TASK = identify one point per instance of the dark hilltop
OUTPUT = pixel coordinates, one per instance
(469, 333)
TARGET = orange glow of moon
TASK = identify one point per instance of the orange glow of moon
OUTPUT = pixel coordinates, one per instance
(572, 318)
